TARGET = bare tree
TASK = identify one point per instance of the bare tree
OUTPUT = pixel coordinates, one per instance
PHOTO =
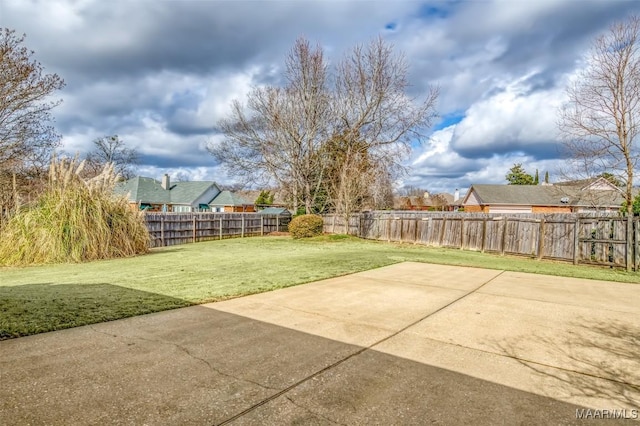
(311, 138)
(411, 191)
(279, 138)
(382, 191)
(350, 176)
(24, 109)
(374, 115)
(27, 137)
(600, 120)
(112, 149)
(439, 202)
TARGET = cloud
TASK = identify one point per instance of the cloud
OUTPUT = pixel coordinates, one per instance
(516, 118)
(439, 168)
(161, 74)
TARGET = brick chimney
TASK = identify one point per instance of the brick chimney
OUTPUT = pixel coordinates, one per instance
(166, 182)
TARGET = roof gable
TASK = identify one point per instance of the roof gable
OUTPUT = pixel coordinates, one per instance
(189, 192)
(471, 198)
(228, 198)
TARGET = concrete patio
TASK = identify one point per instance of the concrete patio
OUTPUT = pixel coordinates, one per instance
(410, 343)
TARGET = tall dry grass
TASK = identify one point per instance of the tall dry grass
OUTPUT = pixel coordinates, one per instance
(75, 220)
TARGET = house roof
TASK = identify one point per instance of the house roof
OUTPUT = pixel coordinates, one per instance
(148, 190)
(544, 195)
(187, 192)
(143, 189)
(590, 183)
(228, 198)
(275, 211)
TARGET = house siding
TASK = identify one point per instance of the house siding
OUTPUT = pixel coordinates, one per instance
(551, 209)
(239, 209)
(472, 200)
(509, 209)
(474, 209)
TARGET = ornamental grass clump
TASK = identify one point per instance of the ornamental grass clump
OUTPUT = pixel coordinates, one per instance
(75, 220)
(306, 226)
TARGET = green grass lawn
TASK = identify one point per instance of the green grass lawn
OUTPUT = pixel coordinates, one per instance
(52, 297)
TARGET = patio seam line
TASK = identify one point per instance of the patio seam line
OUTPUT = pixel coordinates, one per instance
(354, 354)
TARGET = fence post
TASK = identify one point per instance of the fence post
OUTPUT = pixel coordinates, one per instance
(417, 220)
(635, 245)
(629, 245)
(504, 235)
(261, 225)
(162, 231)
(194, 228)
(576, 240)
(220, 230)
(541, 239)
(462, 233)
(484, 234)
(242, 225)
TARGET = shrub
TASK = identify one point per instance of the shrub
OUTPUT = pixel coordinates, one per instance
(305, 226)
(74, 221)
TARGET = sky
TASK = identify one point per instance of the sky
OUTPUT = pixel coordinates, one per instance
(160, 74)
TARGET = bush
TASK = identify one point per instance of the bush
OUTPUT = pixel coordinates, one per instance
(305, 226)
(74, 221)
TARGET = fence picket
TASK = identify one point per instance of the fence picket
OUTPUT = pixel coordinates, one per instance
(168, 229)
(580, 238)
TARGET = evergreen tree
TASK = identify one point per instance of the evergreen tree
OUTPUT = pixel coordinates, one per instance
(536, 180)
(518, 176)
(546, 177)
(265, 198)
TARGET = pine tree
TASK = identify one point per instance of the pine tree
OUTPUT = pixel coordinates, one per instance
(546, 177)
(518, 176)
(265, 198)
(536, 180)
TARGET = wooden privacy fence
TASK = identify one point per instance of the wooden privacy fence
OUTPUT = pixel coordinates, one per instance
(576, 238)
(167, 229)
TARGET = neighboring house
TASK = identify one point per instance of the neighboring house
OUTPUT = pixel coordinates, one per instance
(229, 202)
(151, 195)
(589, 195)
